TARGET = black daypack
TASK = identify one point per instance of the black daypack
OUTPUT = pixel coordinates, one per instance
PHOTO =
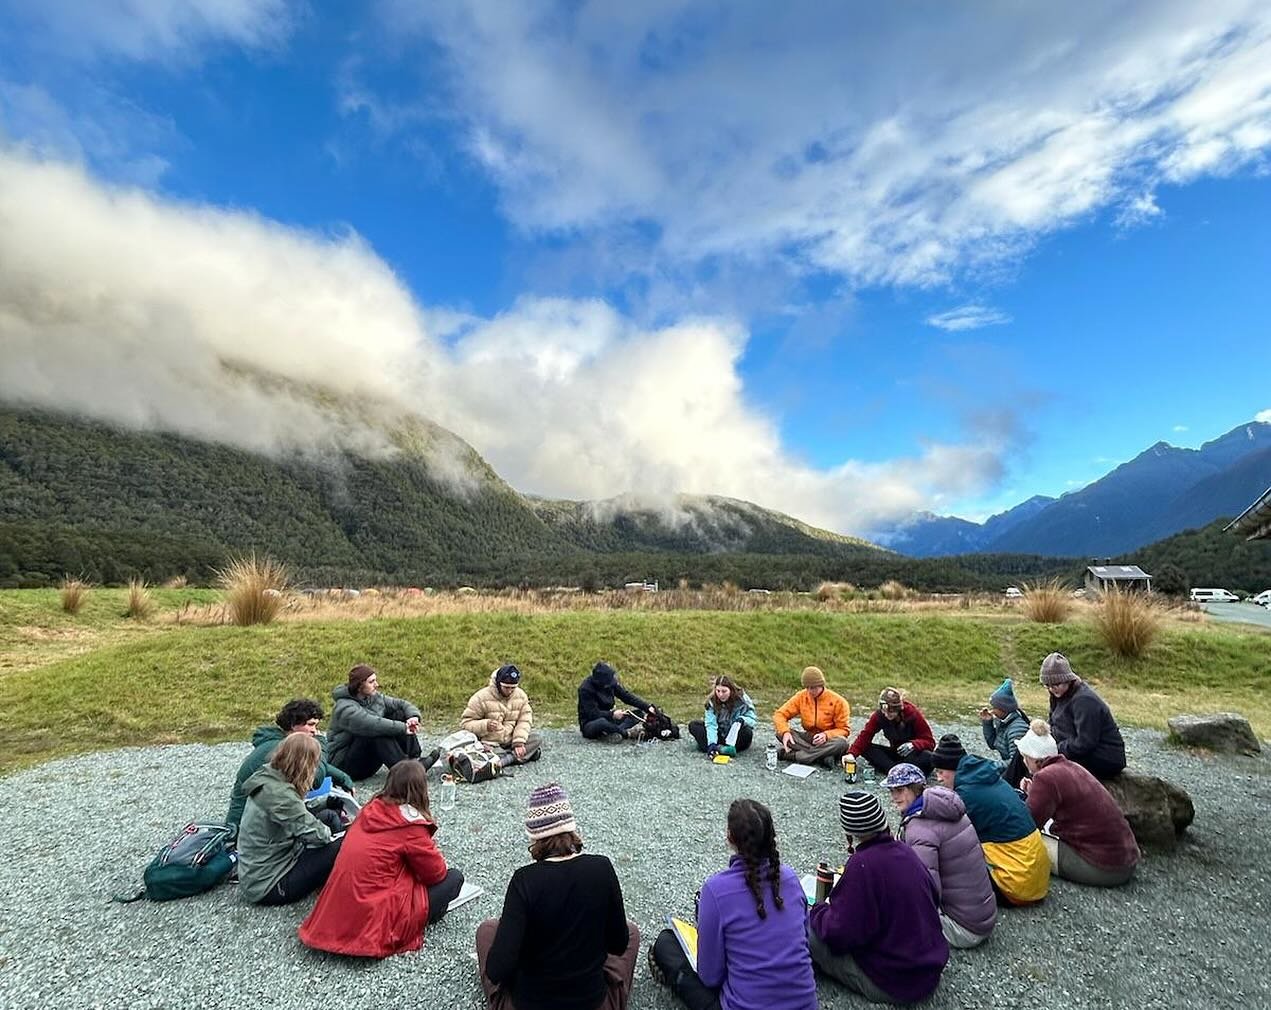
(196, 860)
(658, 726)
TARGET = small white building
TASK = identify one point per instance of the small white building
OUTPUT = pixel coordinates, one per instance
(1100, 578)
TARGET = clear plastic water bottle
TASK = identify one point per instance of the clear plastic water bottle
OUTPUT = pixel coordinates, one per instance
(446, 798)
(771, 757)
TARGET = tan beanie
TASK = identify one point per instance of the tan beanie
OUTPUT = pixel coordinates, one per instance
(813, 677)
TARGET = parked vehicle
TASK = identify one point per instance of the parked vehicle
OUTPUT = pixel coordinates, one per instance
(1014, 593)
(1214, 596)
(1263, 598)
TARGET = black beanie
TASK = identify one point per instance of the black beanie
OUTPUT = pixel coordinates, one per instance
(604, 673)
(949, 751)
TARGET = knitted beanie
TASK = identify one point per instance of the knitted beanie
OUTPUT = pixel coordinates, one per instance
(1004, 697)
(358, 676)
(949, 751)
(1037, 743)
(508, 674)
(549, 813)
(860, 813)
(604, 673)
(890, 700)
(1056, 670)
(813, 677)
(904, 774)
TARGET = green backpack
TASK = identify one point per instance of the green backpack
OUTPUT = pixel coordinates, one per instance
(196, 860)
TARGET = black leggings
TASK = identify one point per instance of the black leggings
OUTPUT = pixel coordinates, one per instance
(368, 754)
(596, 728)
(884, 759)
(680, 976)
(697, 730)
(311, 870)
(440, 895)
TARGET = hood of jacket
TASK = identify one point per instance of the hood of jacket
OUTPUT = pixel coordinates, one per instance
(342, 692)
(941, 804)
(379, 816)
(267, 733)
(974, 770)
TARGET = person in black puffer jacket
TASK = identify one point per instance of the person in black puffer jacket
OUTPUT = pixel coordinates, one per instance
(596, 715)
(1080, 721)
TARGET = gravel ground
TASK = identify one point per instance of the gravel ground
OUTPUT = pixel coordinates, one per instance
(1186, 932)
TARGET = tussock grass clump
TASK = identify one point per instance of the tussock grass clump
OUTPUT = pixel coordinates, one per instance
(72, 593)
(176, 582)
(1047, 602)
(1127, 622)
(253, 589)
(893, 590)
(141, 604)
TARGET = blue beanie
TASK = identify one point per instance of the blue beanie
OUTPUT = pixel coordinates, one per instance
(1004, 697)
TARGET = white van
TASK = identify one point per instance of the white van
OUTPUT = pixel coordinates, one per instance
(1263, 598)
(1214, 596)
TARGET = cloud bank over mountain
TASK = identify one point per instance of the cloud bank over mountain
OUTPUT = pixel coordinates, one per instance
(122, 305)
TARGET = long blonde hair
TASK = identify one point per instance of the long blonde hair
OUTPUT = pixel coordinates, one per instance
(297, 759)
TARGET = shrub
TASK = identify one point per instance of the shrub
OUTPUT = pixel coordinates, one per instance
(73, 593)
(253, 588)
(1127, 622)
(140, 602)
(893, 590)
(1047, 602)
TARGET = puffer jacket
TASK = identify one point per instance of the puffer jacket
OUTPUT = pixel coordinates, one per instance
(264, 742)
(740, 710)
(937, 828)
(1082, 725)
(375, 903)
(912, 727)
(378, 715)
(513, 714)
(276, 828)
(1085, 814)
(1001, 734)
(829, 714)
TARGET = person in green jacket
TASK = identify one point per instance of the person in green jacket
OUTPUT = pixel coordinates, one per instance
(300, 715)
(371, 730)
(284, 851)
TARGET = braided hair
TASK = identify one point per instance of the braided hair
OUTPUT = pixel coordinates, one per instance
(753, 836)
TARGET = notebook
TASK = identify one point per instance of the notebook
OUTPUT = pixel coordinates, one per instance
(799, 771)
(686, 933)
(465, 895)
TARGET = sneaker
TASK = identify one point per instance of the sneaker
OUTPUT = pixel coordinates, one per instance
(431, 758)
(655, 970)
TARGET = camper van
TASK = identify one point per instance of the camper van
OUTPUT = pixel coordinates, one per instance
(1214, 596)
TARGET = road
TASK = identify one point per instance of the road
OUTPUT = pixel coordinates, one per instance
(1248, 613)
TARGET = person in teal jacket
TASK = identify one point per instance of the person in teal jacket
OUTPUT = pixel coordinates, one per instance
(728, 724)
(1003, 723)
(300, 715)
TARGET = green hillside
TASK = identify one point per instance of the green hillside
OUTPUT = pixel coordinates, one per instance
(1208, 557)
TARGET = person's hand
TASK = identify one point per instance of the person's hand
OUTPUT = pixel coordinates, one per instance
(905, 749)
(819, 739)
(653, 710)
(1024, 785)
(412, 724)
(492, 725)
(620, 713)
(712, 750)
(986, 715)
(519, 751)
(787, 740)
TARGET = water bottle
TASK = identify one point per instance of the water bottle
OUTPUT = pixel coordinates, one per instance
(771, 757)
(446, 800)
(824, 882)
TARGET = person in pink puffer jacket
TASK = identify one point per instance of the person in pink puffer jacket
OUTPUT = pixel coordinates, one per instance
(935, 825)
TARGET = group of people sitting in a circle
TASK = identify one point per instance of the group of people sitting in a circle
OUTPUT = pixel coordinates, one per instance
(985, 834)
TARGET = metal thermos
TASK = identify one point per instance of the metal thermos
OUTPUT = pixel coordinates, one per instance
(824, 882)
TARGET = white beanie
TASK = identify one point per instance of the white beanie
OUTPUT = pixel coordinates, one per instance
(1037, 743)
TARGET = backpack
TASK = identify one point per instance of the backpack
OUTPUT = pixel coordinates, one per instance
(658, 726)
(196, 860)
(475, 762)
(331, 797)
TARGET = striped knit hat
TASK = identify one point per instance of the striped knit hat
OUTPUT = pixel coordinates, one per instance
(949, 751)
(860, 813)
(549, 813)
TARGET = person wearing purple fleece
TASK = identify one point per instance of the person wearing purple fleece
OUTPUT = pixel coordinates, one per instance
(879, 934)
(752, 940)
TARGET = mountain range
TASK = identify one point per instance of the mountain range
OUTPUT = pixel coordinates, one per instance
(1161, 491)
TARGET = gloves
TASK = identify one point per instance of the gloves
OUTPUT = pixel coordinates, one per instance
(712, 750)
(905, 749)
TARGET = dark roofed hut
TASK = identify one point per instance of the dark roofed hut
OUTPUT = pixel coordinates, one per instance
(1127, 578)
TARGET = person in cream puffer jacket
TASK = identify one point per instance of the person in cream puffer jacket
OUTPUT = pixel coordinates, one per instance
(500, 715)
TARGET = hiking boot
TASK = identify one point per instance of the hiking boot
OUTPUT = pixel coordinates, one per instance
(655, 970)
(431, 758)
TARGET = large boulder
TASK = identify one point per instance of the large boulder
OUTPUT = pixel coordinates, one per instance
(1158, 811)
(1224, 732)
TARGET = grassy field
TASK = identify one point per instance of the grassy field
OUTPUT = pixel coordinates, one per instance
(98, 680)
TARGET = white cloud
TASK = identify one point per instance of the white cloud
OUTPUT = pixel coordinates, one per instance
(968, 317)
(1264, 416)
(881, 146)
(149, 30)
(1180, 428)
(148, 313)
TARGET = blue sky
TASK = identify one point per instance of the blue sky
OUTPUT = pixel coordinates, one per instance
(847, 263)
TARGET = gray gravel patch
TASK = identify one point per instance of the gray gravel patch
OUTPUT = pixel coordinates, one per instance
(1186, 932)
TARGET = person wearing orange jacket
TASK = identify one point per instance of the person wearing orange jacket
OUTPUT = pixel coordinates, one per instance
(824, 720)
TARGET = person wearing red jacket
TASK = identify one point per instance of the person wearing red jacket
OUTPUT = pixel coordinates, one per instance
(390, 880)
(904, 727)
